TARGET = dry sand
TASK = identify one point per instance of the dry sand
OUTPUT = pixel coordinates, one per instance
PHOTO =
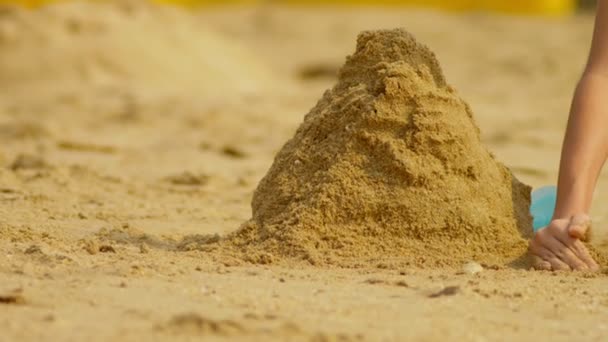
(388, 167)
(106, 186)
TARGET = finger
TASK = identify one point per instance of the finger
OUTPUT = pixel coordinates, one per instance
(578, 249)
(545, 254)
(539, 264)
(557, 264)
(580, 226)
(583, 253)
(552, 259)
(564, 253)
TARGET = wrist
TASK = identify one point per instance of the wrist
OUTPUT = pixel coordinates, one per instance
(571, 201)
(569, 210)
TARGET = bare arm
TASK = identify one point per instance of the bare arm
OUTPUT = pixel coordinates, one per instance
(585, 149)
(586, 143)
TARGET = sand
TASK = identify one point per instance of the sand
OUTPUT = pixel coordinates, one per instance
(114, 183)
(120, 44)
(388, 167)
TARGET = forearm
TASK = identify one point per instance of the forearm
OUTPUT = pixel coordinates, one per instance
(585, 146)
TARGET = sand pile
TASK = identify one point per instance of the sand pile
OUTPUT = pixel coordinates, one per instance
(71, 45)
(388, 167)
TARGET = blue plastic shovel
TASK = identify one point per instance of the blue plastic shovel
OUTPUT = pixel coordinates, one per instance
(543, 206)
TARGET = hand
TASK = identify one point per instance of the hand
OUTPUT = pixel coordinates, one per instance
(559, 246)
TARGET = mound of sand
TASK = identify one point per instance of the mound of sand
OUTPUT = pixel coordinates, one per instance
(121, 43)
(388, 167)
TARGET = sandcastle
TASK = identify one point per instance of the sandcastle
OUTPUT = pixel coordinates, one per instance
(388, 167)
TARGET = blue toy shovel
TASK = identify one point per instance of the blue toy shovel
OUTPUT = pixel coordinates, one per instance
(543, 206)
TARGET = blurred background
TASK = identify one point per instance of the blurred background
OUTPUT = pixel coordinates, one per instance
(545, 7)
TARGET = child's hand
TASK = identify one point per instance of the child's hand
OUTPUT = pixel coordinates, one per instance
(559, 246)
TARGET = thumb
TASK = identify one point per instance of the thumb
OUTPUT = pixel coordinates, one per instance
(580, 227)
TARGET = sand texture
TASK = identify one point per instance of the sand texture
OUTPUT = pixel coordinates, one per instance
(389, 165)
(133, 139)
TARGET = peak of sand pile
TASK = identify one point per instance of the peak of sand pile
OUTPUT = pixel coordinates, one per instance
(388, 167)
(83, 44)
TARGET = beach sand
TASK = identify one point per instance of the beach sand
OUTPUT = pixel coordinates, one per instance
(106, 184)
